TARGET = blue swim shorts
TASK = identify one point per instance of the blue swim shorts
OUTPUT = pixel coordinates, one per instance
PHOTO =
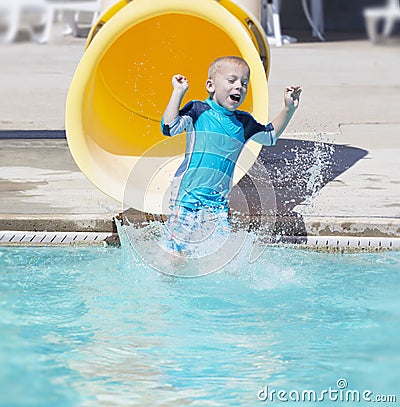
(190, 230)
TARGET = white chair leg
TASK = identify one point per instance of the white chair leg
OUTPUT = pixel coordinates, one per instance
(51, 15)
(371, 23)
(276, 23)
(42, 37)
(96, 16)
(13, 17)
(388, 26)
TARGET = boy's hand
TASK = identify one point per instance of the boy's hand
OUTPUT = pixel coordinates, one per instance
(179, 82)
(292, 97)
(180, 85)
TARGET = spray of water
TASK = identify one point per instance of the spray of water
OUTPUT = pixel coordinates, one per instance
(142, 252)
(211, 247)
(321, 160)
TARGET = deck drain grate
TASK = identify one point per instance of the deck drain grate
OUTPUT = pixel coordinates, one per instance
(19, 237)
(346, 241)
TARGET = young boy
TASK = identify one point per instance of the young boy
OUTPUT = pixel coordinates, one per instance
(216, 133)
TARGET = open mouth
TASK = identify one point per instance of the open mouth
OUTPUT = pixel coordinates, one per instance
(235, 98)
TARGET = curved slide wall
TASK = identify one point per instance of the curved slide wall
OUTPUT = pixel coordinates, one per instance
(123, 83)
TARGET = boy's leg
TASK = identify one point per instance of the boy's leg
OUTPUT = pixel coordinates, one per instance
(217, 219)
(190, 230)
(210, 232)
(179, 228)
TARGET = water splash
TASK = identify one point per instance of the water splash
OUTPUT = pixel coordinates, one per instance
(322, 158)
(143, 248)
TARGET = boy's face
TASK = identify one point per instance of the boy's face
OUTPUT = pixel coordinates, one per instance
(228, 87)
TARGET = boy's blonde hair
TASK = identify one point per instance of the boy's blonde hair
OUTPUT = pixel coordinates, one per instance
(215, 65)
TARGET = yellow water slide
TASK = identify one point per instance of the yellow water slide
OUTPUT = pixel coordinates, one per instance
(123, 83)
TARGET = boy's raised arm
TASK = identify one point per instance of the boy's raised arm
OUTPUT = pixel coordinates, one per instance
(180, 86)
(292, 100)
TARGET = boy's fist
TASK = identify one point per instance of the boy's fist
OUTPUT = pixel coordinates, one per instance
(180, 82)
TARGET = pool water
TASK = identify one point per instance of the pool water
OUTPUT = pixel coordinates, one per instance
(98, 327)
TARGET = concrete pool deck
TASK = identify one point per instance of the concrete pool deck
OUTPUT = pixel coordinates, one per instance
(335, 171)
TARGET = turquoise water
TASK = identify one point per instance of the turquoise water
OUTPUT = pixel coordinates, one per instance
(97, 327)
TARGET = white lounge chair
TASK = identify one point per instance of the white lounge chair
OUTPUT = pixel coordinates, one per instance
(388, 14)
(71, 13)
(28, 15)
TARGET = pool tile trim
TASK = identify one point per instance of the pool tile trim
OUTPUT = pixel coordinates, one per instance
(33, 238)
(350, 242)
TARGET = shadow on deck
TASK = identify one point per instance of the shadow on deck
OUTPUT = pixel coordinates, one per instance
(287, 175)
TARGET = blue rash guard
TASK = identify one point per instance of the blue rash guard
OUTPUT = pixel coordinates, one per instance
(215, 138)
